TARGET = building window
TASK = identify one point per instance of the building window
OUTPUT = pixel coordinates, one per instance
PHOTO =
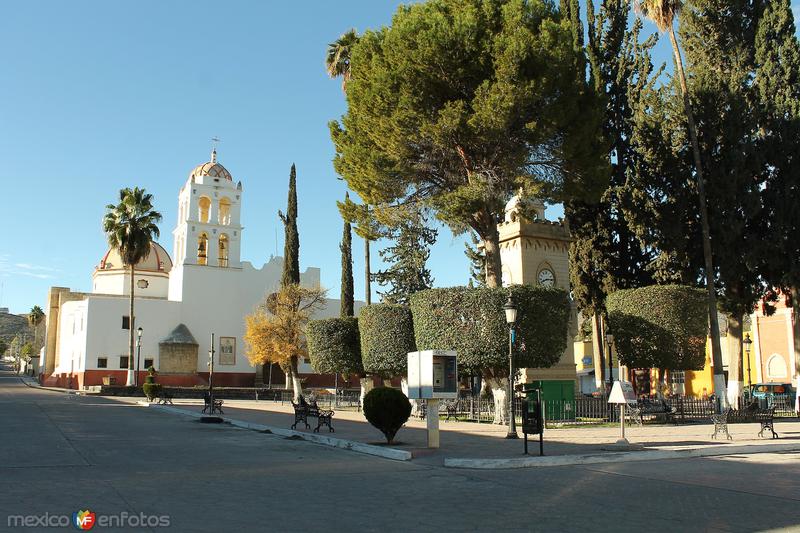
(123, 361)
(202, 249)
(148, 363)
(224, 215)
(102, 362)
(677, 377)
(223, 250)
(126, 322)
(204, 205)
(776, 367)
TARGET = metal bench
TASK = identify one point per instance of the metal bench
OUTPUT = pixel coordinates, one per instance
(720, 421)
(636, 413)
(212, 405)
(767, 420)
(165, 398)
(303, 409)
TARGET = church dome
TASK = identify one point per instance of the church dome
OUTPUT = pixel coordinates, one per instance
(157, 260)
(212, 169)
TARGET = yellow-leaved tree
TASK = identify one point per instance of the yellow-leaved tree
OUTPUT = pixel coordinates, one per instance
(276, 330)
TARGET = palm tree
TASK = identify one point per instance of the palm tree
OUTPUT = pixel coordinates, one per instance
(35, 317)
(663, 14)
(130, 227)
(337, 63)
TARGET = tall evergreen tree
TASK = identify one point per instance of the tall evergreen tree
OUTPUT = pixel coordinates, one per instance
(291, 246)
(777, 80)
(346, 247)
(605, 254)
(407, 272)
(477, 262)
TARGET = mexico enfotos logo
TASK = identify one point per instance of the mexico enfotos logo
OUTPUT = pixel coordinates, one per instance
(84, 520)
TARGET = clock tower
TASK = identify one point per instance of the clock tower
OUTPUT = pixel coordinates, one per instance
(535, 251)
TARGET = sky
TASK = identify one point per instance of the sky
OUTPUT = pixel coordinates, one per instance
(97, 96)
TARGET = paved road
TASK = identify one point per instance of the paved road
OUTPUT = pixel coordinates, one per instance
(62, 453)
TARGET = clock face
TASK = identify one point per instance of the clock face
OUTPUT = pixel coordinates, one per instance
(546, 278)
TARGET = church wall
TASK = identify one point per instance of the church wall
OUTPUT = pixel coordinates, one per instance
(118, 282)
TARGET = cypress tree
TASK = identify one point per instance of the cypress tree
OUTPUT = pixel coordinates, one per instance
(291, 247)
(346, 248)
(777, 80)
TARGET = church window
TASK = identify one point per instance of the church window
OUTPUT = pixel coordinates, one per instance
(202, 249)
(223, 250)
(148, 363)
(776, 367)
(102, 362)
(224, 211)
(123, 361)
(204, 205)
(126, 322)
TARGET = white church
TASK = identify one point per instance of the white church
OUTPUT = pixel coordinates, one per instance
(203, 289)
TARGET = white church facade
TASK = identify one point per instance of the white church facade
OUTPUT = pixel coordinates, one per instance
(180, 301)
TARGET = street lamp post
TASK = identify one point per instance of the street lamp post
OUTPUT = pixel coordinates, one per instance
(511, 318)
(138, 355)
(747, 344)
(609, 345)
(211, 371)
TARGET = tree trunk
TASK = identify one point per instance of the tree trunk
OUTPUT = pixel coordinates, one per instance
(368, 288)
(735, 378)
(494, 265)
(716, 348)
(366, 385)
(795, 292)
(131, 325)
(297, 388)
(499, 388)
(597, 350)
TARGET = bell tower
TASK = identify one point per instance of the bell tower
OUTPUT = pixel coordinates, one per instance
(535, 251)
(209, 233)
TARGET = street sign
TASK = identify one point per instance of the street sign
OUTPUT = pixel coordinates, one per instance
(622, 392)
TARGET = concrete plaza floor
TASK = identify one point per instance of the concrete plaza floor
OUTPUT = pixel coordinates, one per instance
(60, 453)
(472, 440)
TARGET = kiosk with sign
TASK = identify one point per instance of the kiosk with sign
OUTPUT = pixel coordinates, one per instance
(432, 374)
(622, 394)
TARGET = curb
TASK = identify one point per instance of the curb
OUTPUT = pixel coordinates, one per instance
(369, 449)
(619, 457)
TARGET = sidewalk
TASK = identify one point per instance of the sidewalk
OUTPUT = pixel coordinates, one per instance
(482, 442)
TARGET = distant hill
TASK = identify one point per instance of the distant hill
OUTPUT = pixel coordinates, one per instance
(11, 325)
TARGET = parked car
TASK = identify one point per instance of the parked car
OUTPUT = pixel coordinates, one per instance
(769, 390)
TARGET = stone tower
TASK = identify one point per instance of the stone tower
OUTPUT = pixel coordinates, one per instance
(209, 232)
(535, 251)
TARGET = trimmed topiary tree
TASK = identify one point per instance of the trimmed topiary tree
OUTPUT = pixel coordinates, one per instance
(150, 388)
(660, 326)
(334, 346)
(387, 409)
(387, 335)
(471, 321)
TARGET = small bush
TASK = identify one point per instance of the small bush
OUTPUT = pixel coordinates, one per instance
(387, 409)
(152, 390)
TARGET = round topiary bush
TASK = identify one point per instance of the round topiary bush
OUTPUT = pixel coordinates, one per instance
(387, 409)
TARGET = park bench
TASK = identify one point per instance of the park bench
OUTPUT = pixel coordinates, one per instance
(212, 405)
(165, 398)
(637, 412)
(303, 410)
(720, 421)
(452, 409)
(766, 417)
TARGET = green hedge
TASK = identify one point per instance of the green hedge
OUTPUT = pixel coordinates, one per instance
(661, 326)
(471, 321)
(152, 390)
(334, 346)
(387, 335)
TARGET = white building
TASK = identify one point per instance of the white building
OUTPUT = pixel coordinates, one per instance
(178, 305)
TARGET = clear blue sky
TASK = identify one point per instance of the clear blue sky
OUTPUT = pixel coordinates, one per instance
(98, 95)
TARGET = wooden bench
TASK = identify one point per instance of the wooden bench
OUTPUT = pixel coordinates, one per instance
(212, 405)
(767, 420)
(303, 410)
